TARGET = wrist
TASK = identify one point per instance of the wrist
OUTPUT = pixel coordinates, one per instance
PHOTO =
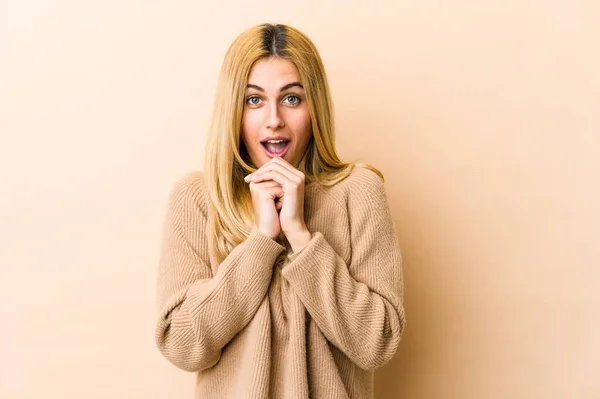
(299, 239)
(268, 233)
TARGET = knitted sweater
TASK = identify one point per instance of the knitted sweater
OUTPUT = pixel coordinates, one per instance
(269, 323)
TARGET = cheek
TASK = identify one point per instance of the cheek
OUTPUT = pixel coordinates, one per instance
(249, 128)
(303, 128)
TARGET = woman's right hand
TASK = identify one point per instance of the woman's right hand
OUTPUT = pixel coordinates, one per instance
(266, 201)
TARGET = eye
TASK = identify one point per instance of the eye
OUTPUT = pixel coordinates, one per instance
(253, 100)
(293, 99)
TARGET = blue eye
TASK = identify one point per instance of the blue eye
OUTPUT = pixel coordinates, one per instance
(254, 100)
(293, 99)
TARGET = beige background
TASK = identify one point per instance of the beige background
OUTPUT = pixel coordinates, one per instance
(482, 115)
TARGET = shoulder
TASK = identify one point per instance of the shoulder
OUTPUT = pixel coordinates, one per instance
(189, 192)
(362, 182)
(362, 176)
(360, 188)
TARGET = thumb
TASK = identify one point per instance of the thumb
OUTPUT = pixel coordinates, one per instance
(279, 203)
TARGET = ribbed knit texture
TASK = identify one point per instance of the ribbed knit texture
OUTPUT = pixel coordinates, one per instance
(269, 323)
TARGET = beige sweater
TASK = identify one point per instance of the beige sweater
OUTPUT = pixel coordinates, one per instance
(269, 323)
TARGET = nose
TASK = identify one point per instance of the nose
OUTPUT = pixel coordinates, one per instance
(274, 120)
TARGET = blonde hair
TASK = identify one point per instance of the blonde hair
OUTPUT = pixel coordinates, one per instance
(232, 216)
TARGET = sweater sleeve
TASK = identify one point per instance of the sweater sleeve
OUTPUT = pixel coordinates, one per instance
(359, 306)
(199, 313)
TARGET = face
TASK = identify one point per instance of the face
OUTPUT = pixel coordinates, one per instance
(276, 121)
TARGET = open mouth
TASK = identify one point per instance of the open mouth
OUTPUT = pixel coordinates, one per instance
(276, 148)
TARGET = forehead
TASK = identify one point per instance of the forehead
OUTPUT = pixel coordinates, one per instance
(273, 73)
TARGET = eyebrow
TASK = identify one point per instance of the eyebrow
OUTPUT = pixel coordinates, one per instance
(287, 86)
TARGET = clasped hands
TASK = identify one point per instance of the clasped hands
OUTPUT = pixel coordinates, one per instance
(277, 190)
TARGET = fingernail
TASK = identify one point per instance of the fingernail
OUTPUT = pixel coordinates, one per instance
(247, 177)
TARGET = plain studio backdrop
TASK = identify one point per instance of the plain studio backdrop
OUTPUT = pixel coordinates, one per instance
(483, 116)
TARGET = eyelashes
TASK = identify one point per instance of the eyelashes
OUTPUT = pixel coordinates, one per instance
(291, 99)
(297, 99)
(249, 100)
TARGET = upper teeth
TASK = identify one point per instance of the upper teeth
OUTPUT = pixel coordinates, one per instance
(275, 141)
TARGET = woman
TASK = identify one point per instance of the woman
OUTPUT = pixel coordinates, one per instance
(280, 273)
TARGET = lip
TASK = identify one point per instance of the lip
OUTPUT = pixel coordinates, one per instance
(275, 138)
(278, 154)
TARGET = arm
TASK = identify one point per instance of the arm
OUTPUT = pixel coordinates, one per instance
(358, 307)
(199, 313)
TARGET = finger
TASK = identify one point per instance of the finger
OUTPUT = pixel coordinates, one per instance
(287, 165)
(275, 193)
(276, 167)
(274, 175)
(249, 176)
(280, 164)
(265, 185)
(283, 165)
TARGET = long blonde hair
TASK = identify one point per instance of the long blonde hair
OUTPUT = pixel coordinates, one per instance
(232, 216)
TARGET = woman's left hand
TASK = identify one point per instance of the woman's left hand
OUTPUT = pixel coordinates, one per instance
(291, 205)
